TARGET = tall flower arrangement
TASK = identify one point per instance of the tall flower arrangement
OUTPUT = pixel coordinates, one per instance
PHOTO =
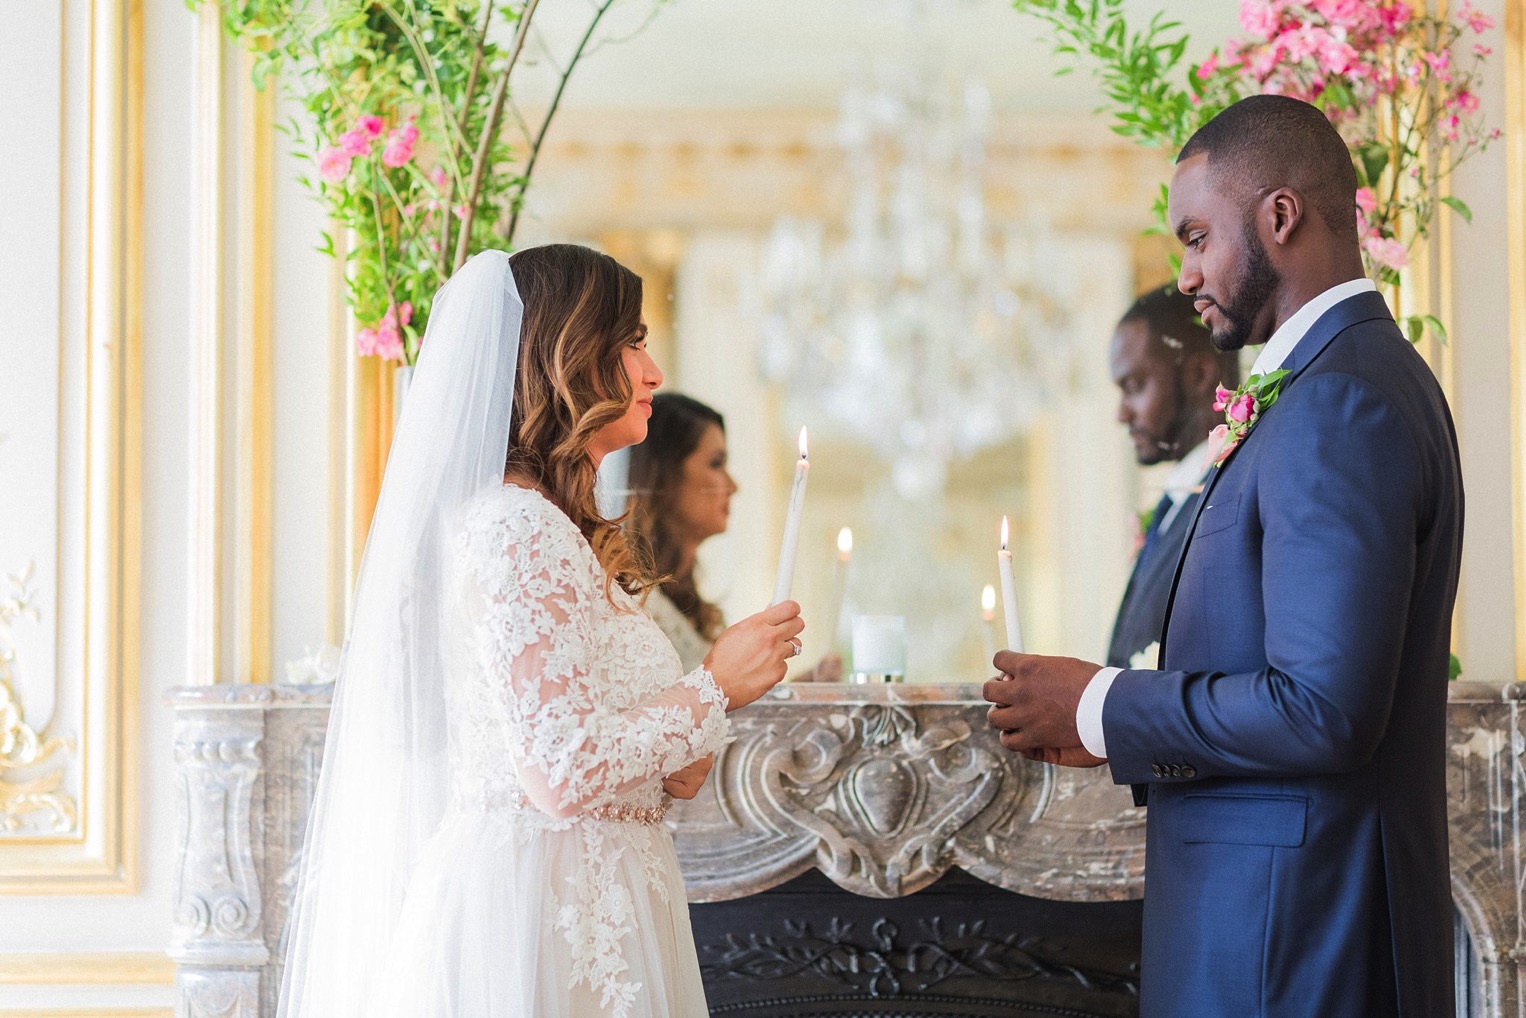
(422, 158)
(1400, 85)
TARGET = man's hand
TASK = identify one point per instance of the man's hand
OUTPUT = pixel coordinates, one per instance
(686, 783)
(1034, 705)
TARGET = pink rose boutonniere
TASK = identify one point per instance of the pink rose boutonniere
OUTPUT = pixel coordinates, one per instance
(1242, 408)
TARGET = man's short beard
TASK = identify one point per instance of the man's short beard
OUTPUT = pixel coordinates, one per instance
(1257, 286)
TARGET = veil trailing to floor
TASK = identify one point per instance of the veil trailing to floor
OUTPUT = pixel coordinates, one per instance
(383, 785)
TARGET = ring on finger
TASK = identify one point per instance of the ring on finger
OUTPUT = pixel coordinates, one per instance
(795, 647)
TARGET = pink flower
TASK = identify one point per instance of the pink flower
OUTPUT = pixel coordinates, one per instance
(1335, 55)
(1386, 251)
(1207, 67)
(1242, 410)
(355, 143)
(371, 124)
(365, 342)
(1220, 444)
(400, 145)
(1221, 398)
(438, 177)
(389, 342)
(1480, 50)
(1366, 201)
(1474, 19)
(405, 312)
(1260, 17)
(1440, 64)
(1394, 16)
(1464, 102)
(334, 164)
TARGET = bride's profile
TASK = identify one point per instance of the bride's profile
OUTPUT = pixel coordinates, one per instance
(508, 724)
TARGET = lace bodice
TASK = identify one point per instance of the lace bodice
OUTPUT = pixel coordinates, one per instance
(568, 701)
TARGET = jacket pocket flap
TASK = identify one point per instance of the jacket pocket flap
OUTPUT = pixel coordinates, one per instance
(1276, 821)
(1217, 515)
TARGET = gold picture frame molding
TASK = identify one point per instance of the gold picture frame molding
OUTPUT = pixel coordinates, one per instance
(100, 857)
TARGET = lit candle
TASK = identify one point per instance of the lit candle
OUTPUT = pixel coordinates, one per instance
(786, 575)
(987, 617)
(840, 588)
(1009, 591)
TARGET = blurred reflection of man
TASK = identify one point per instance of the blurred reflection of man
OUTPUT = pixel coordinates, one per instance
(1166, 370)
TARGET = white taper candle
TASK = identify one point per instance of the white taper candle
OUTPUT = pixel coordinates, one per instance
(786, 575)
(1009, 591)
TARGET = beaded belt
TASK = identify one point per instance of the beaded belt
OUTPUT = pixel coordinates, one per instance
(620, 812)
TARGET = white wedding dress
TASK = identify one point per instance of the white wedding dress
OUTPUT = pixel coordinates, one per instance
(565, 699)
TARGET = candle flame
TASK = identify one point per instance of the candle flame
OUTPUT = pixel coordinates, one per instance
(845, 540)
(1004, 533)
(988, 599)
(803, 454)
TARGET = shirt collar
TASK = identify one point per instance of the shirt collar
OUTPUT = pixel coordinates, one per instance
(1287, 337)
(1187, 475)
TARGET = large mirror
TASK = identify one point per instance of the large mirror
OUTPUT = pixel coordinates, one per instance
(895, 226)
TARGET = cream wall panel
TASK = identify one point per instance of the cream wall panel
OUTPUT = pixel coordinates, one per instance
(1481, 402)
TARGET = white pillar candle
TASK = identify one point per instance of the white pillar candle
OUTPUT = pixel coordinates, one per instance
(840, 635)
(1009, 591)
(987, 620)
(786, 575)
(879, 644)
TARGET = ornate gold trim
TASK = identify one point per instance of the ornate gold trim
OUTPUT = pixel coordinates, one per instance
(31, 764)
(110, 1012)
(1515, 198)
(256, 391)
(100, 855)
(109, 968)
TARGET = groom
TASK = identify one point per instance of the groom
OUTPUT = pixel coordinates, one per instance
(1292, 746)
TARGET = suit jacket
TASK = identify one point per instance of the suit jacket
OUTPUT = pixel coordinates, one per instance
(1296, 859)
(1142, 613)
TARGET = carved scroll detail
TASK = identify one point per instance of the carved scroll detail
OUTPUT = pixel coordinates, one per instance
(32, 799)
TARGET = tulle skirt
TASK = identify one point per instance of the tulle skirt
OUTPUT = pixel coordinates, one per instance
(513, 915)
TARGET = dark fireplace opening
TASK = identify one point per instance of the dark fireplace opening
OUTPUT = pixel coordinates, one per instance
(961, 947)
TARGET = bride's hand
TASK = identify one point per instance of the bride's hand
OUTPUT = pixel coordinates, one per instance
(748, 659)
(686, 783)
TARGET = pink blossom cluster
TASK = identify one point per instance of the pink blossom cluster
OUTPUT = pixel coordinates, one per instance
(335, 161)
(1239, 408)
(1301, 47)
(1389, 252)
(385, 340)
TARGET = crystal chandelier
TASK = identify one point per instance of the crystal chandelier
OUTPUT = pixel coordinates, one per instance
(921, 328)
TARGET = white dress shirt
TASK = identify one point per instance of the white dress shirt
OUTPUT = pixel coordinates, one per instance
(1272, 357)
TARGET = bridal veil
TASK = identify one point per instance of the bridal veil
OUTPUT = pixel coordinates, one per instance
(383, 785)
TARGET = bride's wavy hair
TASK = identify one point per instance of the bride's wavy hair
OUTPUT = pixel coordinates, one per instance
(581, 310)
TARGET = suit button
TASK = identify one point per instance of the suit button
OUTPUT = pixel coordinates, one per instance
(1176, 771)
(1157, 770)
(1189, 771)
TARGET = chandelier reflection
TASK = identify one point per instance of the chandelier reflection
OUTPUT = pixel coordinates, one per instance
(922, 328)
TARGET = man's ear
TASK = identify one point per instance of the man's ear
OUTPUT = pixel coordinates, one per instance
(1200, 376)
(1283, 211)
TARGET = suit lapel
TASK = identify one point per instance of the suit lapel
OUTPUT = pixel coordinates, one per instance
(1362, 307)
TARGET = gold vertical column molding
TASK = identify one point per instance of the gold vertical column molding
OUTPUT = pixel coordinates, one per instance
(255, 359)
(1515, 199)
(204, 588)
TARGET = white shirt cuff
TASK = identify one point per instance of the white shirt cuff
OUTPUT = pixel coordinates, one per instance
(1089, 712)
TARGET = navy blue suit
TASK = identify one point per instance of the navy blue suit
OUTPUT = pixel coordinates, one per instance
(1294, 743)
(1142, 613)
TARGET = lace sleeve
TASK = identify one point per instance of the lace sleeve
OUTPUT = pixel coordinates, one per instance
(572, 750)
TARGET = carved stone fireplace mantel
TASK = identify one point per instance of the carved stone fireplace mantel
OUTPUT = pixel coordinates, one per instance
(882, 789)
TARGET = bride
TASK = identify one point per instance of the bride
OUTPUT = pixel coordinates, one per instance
(486, 839)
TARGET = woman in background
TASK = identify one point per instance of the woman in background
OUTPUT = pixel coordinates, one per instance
(681, 497)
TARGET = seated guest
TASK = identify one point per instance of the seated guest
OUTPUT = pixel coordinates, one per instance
(680, 497)
(1166, 370)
